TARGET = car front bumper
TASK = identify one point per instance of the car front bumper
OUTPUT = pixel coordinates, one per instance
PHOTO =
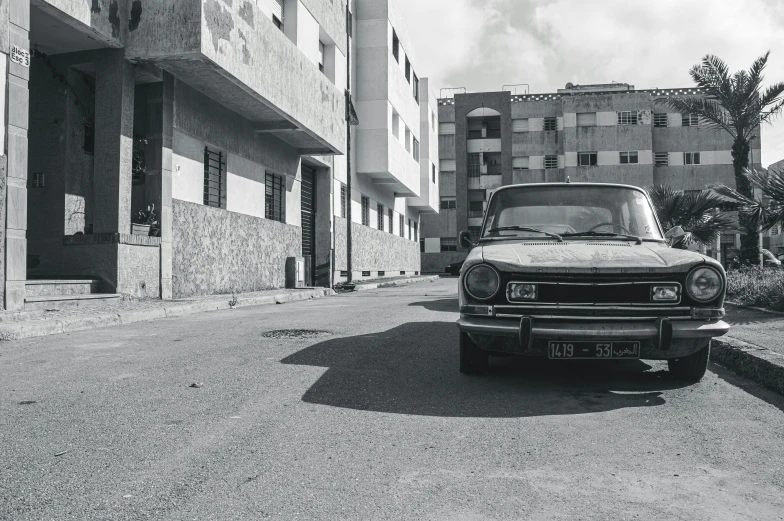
(660, 339)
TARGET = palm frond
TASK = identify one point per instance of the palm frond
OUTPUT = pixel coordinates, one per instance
(707, 230)
(733, 196)
(758, 68)
(713, 77)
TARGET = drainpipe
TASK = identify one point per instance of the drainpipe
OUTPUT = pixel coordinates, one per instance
(348, 141)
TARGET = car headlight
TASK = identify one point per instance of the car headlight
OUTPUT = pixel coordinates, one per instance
(521, 292)
(666, 293)
(482, 282)
(704, 284)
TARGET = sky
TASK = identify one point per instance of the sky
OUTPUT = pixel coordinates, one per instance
(484, 44)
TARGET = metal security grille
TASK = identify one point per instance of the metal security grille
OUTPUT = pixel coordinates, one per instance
(660, 120)
(661, 159)
(474, 165)
(214, 178)
(627, 117)
(343, 199)
(391, 220)
(380, 212)
(275, 190)
(308, 206)
(550, 124)
(402, 227)
(365, 211)
(551, 161)
(690, 120)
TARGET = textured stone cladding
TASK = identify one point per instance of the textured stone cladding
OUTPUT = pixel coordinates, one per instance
(216, 251)
(373, 250)
(3, 179)
(340, 244)
(139, 270)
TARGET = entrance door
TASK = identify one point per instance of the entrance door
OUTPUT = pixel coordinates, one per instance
(309, 222)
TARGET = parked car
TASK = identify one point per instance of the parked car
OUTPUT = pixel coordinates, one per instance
(454, 268)
(769, 260)
(599, 281)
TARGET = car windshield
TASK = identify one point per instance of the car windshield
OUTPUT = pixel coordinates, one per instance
(569, 211)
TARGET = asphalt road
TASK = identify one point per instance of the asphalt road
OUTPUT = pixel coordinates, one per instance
(368, 420)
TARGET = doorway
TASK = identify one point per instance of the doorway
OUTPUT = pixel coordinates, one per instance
(309, 222)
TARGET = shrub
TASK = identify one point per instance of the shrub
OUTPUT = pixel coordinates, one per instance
(757, 287)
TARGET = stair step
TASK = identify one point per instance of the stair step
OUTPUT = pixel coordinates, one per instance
(57, 302)
(40, 288)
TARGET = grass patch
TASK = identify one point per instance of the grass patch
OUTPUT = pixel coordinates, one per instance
(757, 287)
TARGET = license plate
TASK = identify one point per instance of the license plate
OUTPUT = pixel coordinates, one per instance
(593, 350)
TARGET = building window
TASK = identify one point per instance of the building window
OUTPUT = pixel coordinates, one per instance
(408, 139)
(349, 22)
(629, 158)
(214, 178)
(550, 124)
(661, 159)
(321, 56)
(690, 120)
(551, 161)
(421, 245)
(416, 150)
(275, 192)
(434, 173)
(380, 211)
(774, 231)
(391, 221)
(475, 231)
(402, 226)
(416, 87)
(660, 120)
(365, 211)
(474, 165)
(409, 229)
(627, 117)
(395, 46)
(520, 125)
(89, 139)
(586, 119)
(476, 209)
(408, 70)
(587, 159)
(343, 200)
(691, 158)
(416, 231)
(448, 203)
(448, 244)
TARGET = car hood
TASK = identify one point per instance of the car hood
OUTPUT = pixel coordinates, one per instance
(590, 257)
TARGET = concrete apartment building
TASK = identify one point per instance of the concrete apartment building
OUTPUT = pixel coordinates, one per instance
(597, 133)
(227, 116)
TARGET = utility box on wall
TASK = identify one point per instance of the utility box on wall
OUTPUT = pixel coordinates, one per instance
(295, 272)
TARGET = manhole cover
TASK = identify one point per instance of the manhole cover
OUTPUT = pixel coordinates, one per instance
(295, 333)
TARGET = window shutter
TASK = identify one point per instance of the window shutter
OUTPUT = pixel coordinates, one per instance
(446, 128)
(520, 162)
(448, 165)
(519, 125)
(277, 8)
(586, 119)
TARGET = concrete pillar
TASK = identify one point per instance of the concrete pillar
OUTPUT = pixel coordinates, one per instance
(16, 187)
(114, 93)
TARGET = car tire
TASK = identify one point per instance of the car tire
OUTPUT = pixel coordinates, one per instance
(692, 367)
(472, 359)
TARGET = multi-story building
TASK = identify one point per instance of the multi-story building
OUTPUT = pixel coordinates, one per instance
(597, 133)
(393, 150)
(226, 117)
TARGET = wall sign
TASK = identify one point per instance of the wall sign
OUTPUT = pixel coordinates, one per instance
(20, 56)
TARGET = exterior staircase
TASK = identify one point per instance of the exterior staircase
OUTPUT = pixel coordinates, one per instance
(46, 295)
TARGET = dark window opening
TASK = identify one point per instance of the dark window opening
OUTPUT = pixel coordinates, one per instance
(395, 46)
(89, 139)
(416, 150)
(380, 211)
(275, 192)
(382, 273)
(402, 226)
(408, 70)
(474, 165)
(366, 274)
(214, 178)
(365, 211)
(448, 244)
(448, 204)
(277, 22)
(416, 87)
(587, 159)
(343, 199)
(391, 221)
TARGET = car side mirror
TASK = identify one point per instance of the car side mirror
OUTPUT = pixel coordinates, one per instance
(674, 235)
(466, 241)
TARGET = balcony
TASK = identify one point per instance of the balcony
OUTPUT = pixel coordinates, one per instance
(234, 54)
(385, 160)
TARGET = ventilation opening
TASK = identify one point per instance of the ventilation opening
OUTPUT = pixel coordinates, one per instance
(344, 274)
(366, 274)
(402, 272)
(382, 273)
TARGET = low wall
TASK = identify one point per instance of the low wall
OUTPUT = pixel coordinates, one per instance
(374, 250)
(216, 251)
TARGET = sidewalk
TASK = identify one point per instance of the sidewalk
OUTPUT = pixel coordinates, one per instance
(754, 346)
(18, 325)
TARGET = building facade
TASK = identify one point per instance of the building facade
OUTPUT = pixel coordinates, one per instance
(598, 133)
(227, 118)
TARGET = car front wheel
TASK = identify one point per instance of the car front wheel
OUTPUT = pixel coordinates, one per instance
(690, 368)
(472, 359)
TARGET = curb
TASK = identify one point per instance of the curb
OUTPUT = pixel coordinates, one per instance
(45, 327)
(756, 363)
(395, 283)
(753, 308)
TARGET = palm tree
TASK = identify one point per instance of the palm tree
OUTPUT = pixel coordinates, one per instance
(763, 213)
(737, 104)
(699, 213)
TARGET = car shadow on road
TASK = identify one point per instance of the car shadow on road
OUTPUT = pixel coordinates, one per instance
(412, 369)
(449, 305)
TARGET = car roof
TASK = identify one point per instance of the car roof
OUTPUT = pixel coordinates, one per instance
(569, 184)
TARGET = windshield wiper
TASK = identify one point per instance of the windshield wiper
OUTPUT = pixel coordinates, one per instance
(525, 229)
(604, 234)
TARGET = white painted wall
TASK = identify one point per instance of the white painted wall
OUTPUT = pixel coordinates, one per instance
(606, 119)
(570, 159)
(719, 157)
(676, 158)
(535, 124)
(307, 33)
(188, 168)
(244, 186)
(474, 146)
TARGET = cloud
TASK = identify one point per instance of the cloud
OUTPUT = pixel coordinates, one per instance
(484, 44)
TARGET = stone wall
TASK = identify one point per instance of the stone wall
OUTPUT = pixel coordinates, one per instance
(374, 251)
(139, 270)
(216, 251)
